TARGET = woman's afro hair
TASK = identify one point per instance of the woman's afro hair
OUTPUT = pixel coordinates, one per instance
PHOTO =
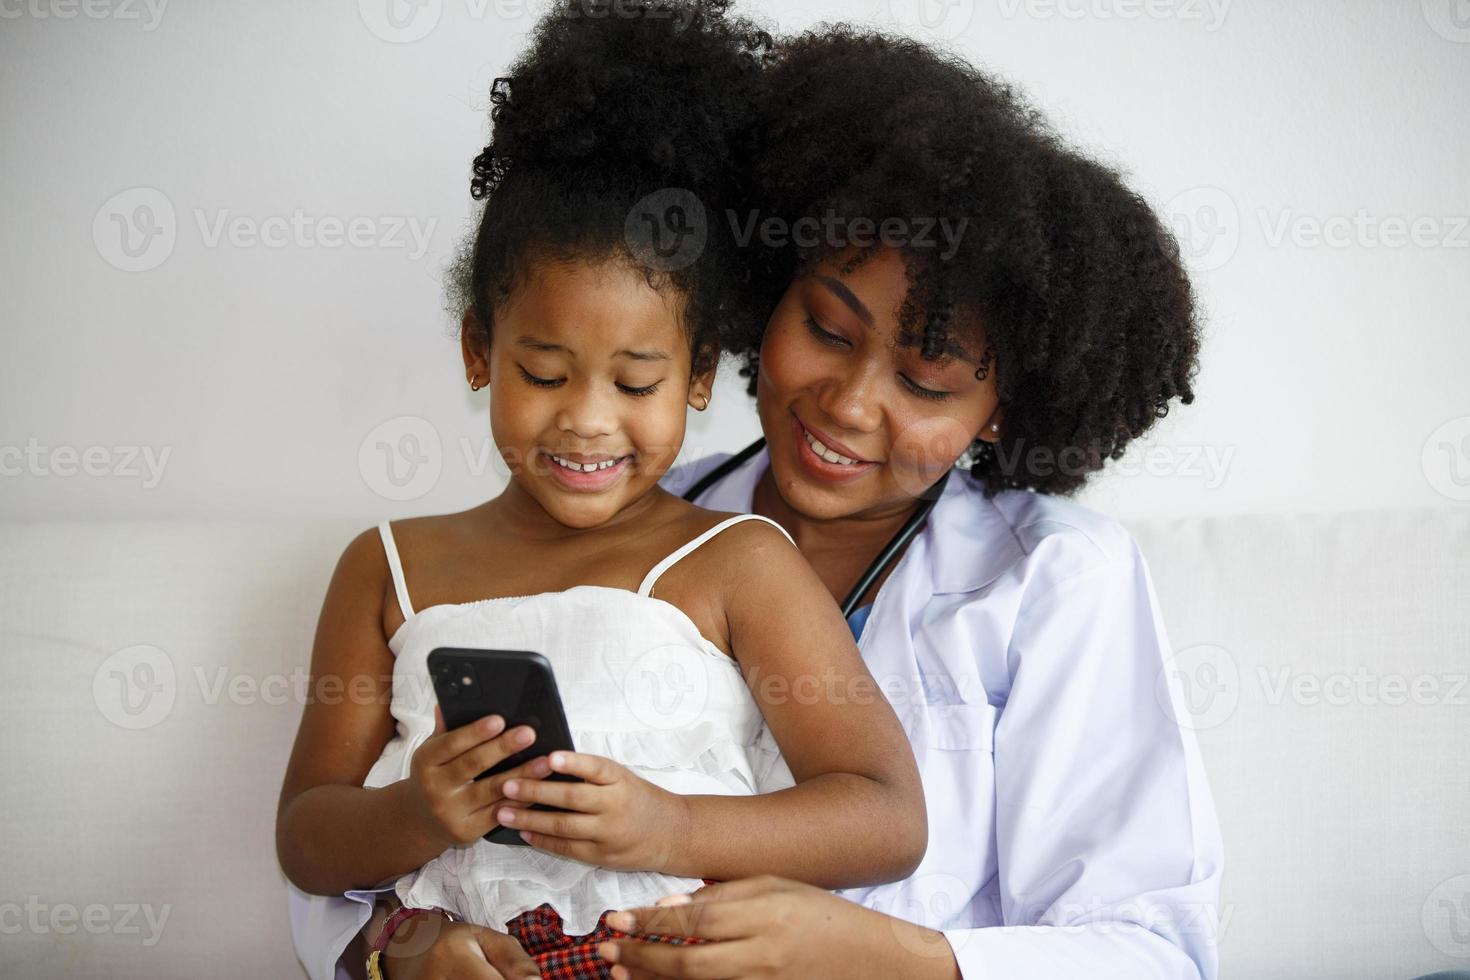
(1088, 317)
(614, 101)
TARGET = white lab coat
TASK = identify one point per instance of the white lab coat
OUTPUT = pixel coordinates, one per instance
(1071, 829)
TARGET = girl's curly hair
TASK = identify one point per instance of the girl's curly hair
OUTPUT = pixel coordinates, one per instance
(1088, 316)
(614, 101)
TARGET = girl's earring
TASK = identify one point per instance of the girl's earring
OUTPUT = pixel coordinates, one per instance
(706, 401)
(473, 385)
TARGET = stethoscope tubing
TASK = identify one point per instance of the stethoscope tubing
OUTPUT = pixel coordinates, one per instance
(895, 544)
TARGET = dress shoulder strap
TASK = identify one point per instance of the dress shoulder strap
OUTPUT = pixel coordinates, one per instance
(396, 567)
(689, 546)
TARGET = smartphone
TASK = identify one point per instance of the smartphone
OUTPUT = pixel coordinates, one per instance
(519, 686)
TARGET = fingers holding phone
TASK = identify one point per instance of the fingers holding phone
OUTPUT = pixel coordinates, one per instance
(442, 796)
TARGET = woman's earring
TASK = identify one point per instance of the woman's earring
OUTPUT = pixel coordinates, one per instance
(473, 385)
(983, 371)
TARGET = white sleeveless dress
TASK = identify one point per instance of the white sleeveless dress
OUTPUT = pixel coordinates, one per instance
(640, 685)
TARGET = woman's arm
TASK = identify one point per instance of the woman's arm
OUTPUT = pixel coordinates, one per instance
(784, 930)
(1109, 850)
(430, 947)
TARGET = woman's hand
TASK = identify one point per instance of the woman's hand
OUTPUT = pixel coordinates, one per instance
(441, 797)
(432, 948)
(774, 929)
(618, 820)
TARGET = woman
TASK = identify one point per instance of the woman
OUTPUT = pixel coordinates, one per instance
(988, 371)
(1017, 635)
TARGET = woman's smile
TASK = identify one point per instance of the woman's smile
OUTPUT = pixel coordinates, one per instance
(815, 453)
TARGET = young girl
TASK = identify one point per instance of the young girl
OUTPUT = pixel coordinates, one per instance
(672, 630)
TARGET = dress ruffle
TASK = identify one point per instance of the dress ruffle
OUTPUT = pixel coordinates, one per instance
(579, 892)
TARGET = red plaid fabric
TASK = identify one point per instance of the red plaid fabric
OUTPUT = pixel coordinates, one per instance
(562, 957)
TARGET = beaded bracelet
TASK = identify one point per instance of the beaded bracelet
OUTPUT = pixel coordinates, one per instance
(402, 915)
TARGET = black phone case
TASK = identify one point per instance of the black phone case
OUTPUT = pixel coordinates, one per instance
(519, 686)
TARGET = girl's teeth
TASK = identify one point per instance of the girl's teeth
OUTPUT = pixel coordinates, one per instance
(826, 453)
(585, 467)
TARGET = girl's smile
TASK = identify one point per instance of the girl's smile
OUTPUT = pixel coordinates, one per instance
(593, 476)
(591, 379)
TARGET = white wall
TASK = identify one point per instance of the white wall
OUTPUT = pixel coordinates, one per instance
(261, 371)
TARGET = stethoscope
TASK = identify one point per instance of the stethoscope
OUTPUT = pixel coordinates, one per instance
(895, 544)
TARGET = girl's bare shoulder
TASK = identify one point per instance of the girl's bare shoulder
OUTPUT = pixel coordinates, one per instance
(745, 547)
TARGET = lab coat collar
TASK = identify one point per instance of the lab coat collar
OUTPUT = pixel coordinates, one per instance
(970, 541)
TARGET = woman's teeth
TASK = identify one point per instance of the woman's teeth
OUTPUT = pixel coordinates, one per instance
(826, 453)
(587, 467)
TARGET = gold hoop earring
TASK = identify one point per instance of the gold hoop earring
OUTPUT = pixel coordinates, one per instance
(706, 401)
(474, 386)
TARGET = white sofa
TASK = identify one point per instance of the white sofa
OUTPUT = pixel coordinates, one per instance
(149, 707)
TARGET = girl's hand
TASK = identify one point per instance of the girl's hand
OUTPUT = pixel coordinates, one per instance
(774, 929)
(441, 797)
(618, 820)
(432, 948)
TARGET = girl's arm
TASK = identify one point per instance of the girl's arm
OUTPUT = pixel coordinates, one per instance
(332, 833)
(856, 816)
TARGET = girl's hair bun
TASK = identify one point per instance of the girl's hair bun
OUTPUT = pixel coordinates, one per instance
(619, 92)
(616, 104)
